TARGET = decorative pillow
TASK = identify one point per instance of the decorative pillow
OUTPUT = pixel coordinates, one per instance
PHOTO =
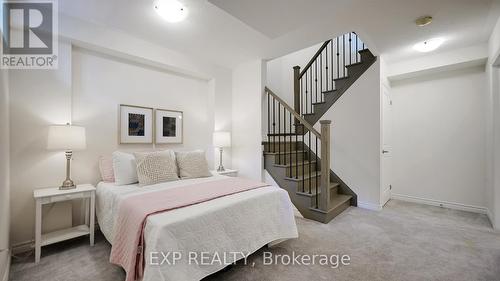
(106, 168)
(125, 169)
(156, 167)
(192, 164)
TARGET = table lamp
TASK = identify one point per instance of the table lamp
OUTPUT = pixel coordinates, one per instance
(68, 138)
(221, 140)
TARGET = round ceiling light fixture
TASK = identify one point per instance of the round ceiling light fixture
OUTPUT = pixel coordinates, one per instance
(423, 21)
(428, 45)
(171, 10)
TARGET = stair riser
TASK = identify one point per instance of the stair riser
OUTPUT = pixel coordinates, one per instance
(305, 188)
(287, 158)
(282, 147)
(355, 69)
(300, 170)
(366, 56)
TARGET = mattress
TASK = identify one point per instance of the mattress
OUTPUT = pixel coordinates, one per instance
(241, 222)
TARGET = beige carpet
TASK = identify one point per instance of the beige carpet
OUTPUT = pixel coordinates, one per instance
(405, 241)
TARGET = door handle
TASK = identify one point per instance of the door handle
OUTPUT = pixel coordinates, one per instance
(385, 151)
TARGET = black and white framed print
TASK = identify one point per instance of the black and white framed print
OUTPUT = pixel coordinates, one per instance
(136, 124)
(168, 128)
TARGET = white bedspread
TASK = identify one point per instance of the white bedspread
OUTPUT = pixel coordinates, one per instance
(241, 222)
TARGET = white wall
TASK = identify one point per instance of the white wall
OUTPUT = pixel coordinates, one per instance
(4, 174)
(355, 135)
(493, 128)
(439, 137)
(96, 99)
(248, 88)
(280, 71)
(43, 97)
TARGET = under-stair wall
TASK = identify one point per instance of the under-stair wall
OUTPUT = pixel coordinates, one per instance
(355, 128)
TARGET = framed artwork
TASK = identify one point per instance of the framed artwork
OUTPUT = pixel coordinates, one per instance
(136, 124)
(168, 128)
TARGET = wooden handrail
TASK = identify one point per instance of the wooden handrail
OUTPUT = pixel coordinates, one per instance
(314, 58)
(295, 114)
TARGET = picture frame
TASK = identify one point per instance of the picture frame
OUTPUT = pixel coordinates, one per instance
(169, 126)
(136, 124)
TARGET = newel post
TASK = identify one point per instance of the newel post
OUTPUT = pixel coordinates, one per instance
(324, 200)
(296, 89)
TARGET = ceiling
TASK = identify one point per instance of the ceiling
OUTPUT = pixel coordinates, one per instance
(229, 32)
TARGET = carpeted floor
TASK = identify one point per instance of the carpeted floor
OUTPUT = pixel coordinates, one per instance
(404, 241)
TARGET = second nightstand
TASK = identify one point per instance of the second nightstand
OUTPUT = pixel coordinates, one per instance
(228, 172)
(52, 195)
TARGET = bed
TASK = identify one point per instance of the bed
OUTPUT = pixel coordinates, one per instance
(237, 223)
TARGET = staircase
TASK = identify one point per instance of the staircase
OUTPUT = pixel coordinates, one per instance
(296, 155)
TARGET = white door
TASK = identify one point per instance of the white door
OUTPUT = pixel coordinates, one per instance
(386, 146)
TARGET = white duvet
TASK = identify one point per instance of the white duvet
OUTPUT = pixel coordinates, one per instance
(216, 229)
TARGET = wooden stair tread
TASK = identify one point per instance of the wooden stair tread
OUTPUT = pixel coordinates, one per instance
(332, 186)
(283, 152)
(300, 163)
(306, 177)
(341, 78)
(335, 203)
(354, 64)
(282, 134)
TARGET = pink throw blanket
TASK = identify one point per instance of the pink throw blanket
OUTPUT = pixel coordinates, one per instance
(128, 243)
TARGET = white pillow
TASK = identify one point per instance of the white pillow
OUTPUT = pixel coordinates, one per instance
(192, 164)
(125, 168)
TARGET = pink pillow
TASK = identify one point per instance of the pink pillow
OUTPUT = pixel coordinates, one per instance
(106, 168)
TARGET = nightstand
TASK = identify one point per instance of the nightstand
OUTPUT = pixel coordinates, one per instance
(229, 173)
(44, 196)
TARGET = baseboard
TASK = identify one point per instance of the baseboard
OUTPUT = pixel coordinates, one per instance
(439, 203)
(23, 247)
(369, 206)
(492, 221)
(6, 270)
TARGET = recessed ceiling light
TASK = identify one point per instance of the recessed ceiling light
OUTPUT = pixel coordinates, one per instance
(171, 10)
(429, 45)
(423, 21)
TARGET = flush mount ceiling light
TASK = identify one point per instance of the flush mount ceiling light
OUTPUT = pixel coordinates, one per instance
(423, 21)
(171, 10)
(428, 45)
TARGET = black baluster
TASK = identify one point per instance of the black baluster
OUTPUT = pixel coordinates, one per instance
(357, 59)
(321, 75)
(274, 125)
(326, 68)
(305, 104)
(343, 55)
(268, 121)
(338, 59)
(279, 132)
(316, 166)
(310, 188)
(333, 68)
(296, 151)
(350, 49)
(284, 133)
(311, 84)
(290, 156)
(316, 80)
(303, 168)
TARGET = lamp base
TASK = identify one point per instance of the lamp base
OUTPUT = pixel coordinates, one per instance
(67, 184)
(221, 169)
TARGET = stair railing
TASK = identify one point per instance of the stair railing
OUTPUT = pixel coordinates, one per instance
(286, 126)
(327, 65)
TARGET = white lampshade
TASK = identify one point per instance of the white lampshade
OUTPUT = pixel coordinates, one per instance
(66, 137)
(222, 139)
